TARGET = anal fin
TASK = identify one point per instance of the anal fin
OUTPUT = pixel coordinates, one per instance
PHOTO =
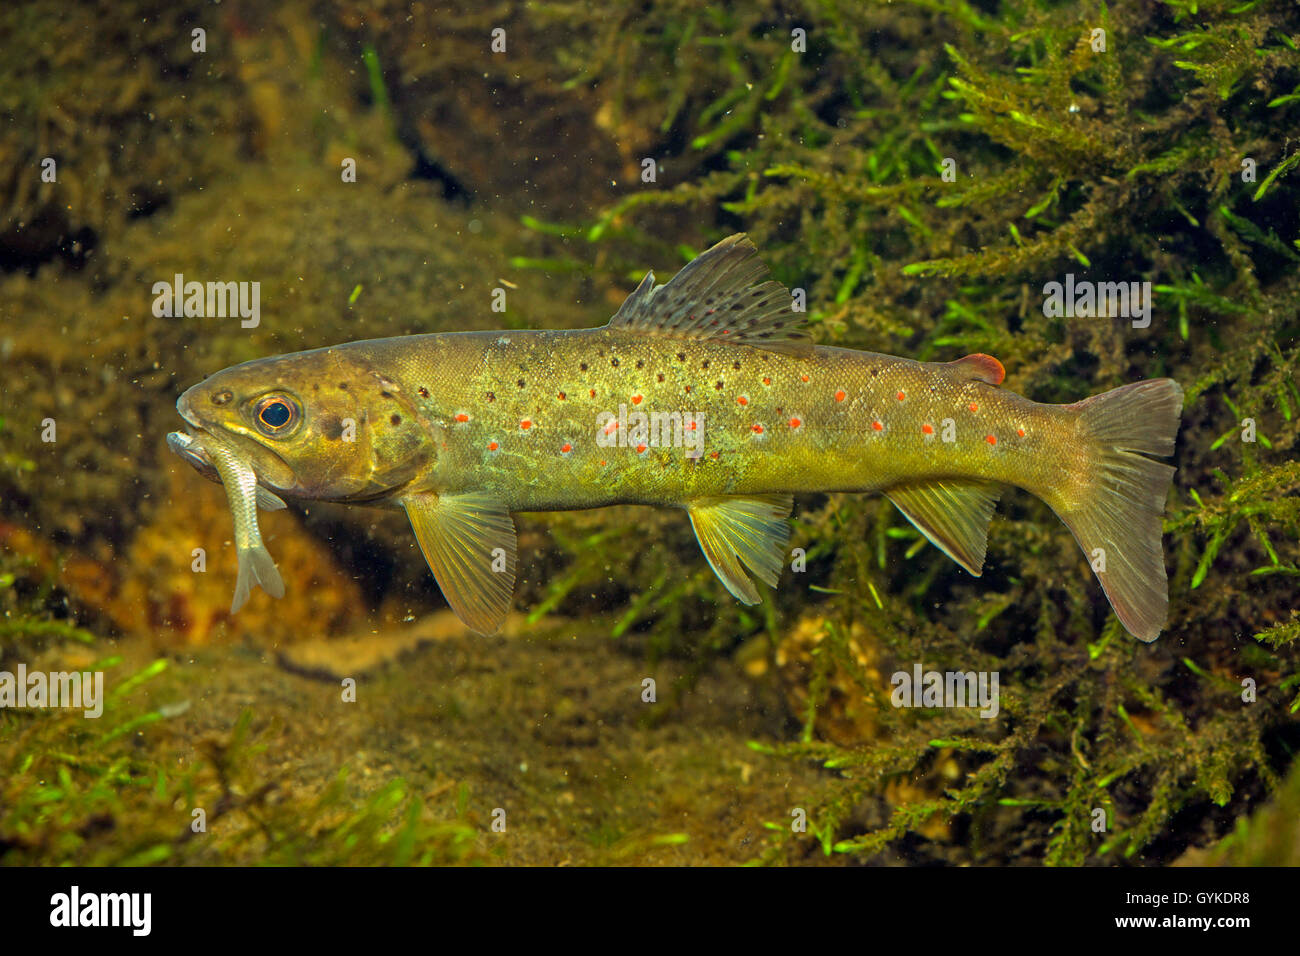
(737, 532)
(470, 545)
(953, 513)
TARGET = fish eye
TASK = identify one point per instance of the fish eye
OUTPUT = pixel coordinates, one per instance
(275, 415)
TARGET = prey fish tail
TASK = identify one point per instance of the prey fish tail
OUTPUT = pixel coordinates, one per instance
(705, 393)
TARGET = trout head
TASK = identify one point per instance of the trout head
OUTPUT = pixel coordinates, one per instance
(317, 424)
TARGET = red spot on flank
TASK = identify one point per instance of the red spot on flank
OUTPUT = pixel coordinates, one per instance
(973, 407)
(991, 439)
(758, 429)
(927, 429)
(803, 378)
(462, 417)
(526, 424)
(566, 448)
(1020, 432)
(636, 399)
(493, 446)
(878, 426)
(795, 423)
(742, 400)
(901, 396)
(841, 395)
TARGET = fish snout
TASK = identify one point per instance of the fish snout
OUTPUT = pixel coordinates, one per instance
(202, 401)
(186, 410)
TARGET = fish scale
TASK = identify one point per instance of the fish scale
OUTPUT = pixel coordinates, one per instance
(835, 446)
(463, 429)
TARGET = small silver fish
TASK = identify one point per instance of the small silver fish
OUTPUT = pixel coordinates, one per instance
(193, 451)
(244, 495)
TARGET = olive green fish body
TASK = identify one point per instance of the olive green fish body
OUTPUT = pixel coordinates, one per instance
(523, 420)
(704, 393)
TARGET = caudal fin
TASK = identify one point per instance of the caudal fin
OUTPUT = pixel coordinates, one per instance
(256, 567)
(1117, 522)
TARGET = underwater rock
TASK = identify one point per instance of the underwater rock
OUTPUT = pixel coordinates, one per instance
(366, 651)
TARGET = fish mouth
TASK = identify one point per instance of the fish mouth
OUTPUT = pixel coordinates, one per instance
(189, 445)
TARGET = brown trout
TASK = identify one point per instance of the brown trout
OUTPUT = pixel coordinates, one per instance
(705, 393)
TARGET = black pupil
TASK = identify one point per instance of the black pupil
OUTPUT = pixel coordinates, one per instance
(276, 414)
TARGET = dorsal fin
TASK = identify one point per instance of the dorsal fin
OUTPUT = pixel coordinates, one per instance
(723, 294)
(984, 368)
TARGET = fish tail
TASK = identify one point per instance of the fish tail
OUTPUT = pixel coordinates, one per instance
(1116, 518)
(256, 567)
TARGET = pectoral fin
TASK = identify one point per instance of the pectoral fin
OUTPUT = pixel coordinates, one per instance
(269, 500)
(953, 513)
(469, 542)
(735, 531)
